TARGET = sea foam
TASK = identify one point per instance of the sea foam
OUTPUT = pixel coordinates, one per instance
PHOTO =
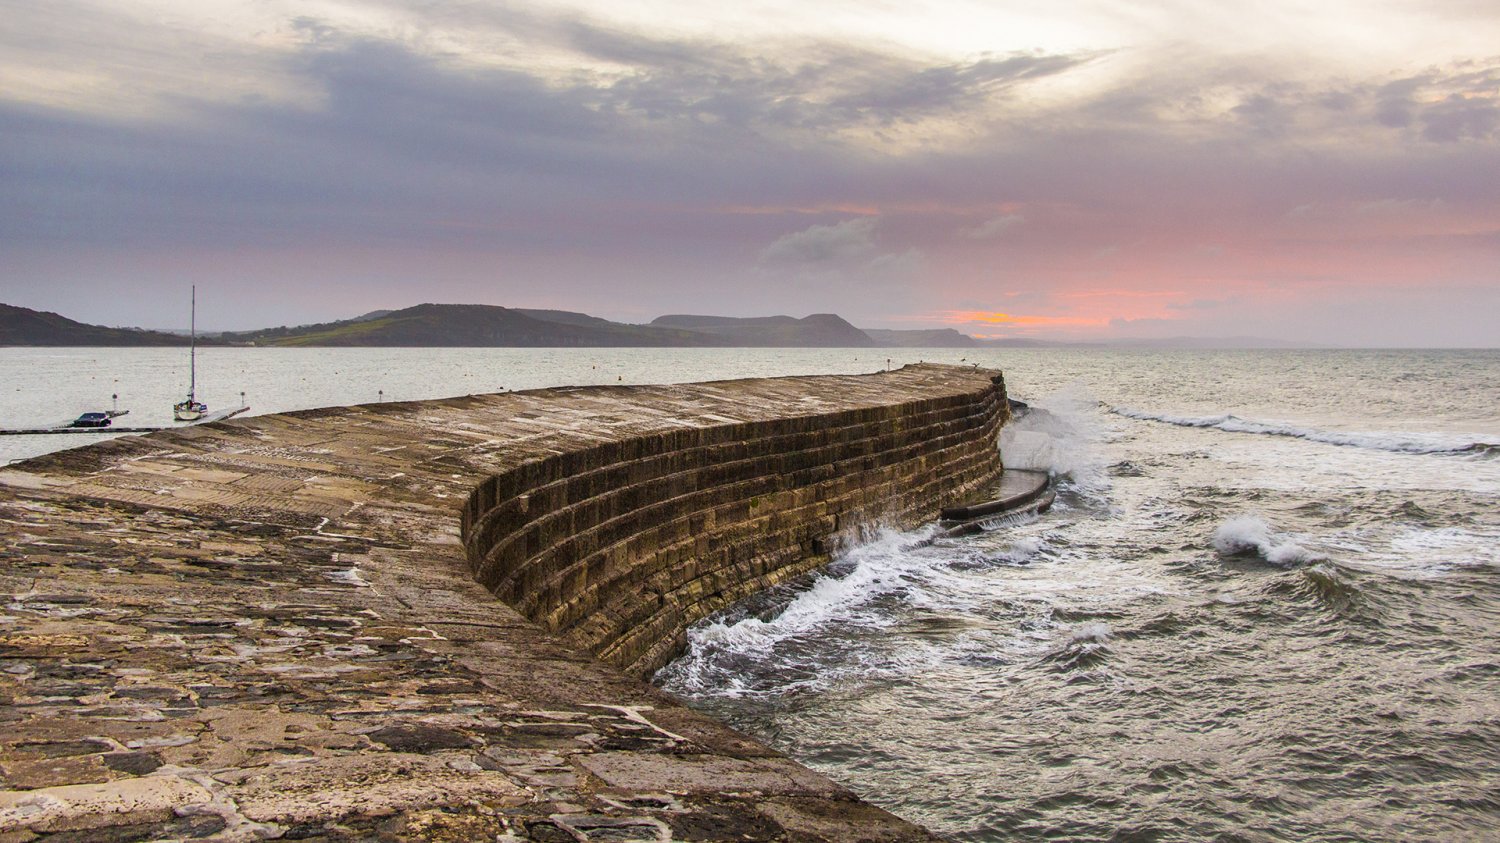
(1251, 534)
(874, 569)
(1058, 435)
(1407, 443)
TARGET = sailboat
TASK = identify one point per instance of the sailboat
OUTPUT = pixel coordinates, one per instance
(192, 409)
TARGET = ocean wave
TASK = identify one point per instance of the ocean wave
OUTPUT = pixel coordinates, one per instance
(1324, 585)
(1330, 586)
(1083, 647)
(1406, 443)
(1442, 548)
(1251, 534)
(1059, 435)
(884, 568)
(1020, 552)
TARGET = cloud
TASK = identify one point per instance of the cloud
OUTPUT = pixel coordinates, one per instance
(894, 270)
(993, 227)
(510, 149)
(823, 244)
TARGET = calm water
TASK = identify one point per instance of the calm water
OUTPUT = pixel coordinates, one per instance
(41, 387)
(1264, 608)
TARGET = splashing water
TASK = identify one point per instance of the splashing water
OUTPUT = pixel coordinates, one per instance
(1059, 435)
(1251, 533)
(1212, 635)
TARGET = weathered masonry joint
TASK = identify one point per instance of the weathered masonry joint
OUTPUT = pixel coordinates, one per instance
(618, 548)
(271, 627)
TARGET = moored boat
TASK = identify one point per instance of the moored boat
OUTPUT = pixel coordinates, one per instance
(192, 409)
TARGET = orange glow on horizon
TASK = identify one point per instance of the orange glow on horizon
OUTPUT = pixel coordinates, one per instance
(998, 318)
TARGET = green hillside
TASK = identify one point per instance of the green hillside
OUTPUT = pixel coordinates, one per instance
(820, 330)
(471, 325)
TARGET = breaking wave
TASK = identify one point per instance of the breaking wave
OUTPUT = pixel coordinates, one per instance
(1406, 443)
(840, 596)
(1251, 534)
(1059, 434)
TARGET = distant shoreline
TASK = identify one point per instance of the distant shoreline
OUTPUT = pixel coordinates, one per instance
(490, 326)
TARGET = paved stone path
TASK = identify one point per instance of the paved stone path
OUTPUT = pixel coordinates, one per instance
(266, 628)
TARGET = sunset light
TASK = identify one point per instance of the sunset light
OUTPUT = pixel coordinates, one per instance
(1324, 175)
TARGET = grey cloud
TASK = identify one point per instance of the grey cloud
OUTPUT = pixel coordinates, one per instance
(828, 88)
(993, 227)
(896, 268)
(1457, 118)
(806, 85)
(609, 173)
(821, 244)
(1439, 105)
(1449, 105)
(1266, 114)
(890, 91)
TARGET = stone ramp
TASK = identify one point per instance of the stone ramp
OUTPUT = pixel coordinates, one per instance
(267, 628)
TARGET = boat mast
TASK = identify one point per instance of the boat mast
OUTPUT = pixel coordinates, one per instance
(193, 347)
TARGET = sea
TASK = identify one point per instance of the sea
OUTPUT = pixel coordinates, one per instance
(1265, 605)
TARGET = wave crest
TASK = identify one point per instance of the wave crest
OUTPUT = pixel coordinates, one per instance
(1251, 534)
(1404, 443)
(1058, 435)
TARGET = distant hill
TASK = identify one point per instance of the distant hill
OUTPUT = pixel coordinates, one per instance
(567, 317)
(489, 326)
(24, 326)
(471, 325)
(926, 338)
(820, 330)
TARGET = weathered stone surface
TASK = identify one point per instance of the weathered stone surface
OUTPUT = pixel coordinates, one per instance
(270, 628)
(646, 771)
(368, 785)
(818, 819)
(70, 807)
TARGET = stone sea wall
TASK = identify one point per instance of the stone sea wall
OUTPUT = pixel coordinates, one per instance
(620, 547)
(270, 628)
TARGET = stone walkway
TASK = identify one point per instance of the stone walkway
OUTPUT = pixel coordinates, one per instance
(266, 628)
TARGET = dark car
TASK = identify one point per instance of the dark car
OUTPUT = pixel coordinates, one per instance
(92, 420)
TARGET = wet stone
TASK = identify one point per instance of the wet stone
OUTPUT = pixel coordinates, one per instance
(717, 822)
(57, 749)
(148, 693)
(134, 763)
(187, 828)
(50, 772)
(548, 832)
(420, 738)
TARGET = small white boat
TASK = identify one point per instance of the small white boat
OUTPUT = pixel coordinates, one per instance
(192, 409)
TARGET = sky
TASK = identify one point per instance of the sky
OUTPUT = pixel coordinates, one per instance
(1078, 170)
